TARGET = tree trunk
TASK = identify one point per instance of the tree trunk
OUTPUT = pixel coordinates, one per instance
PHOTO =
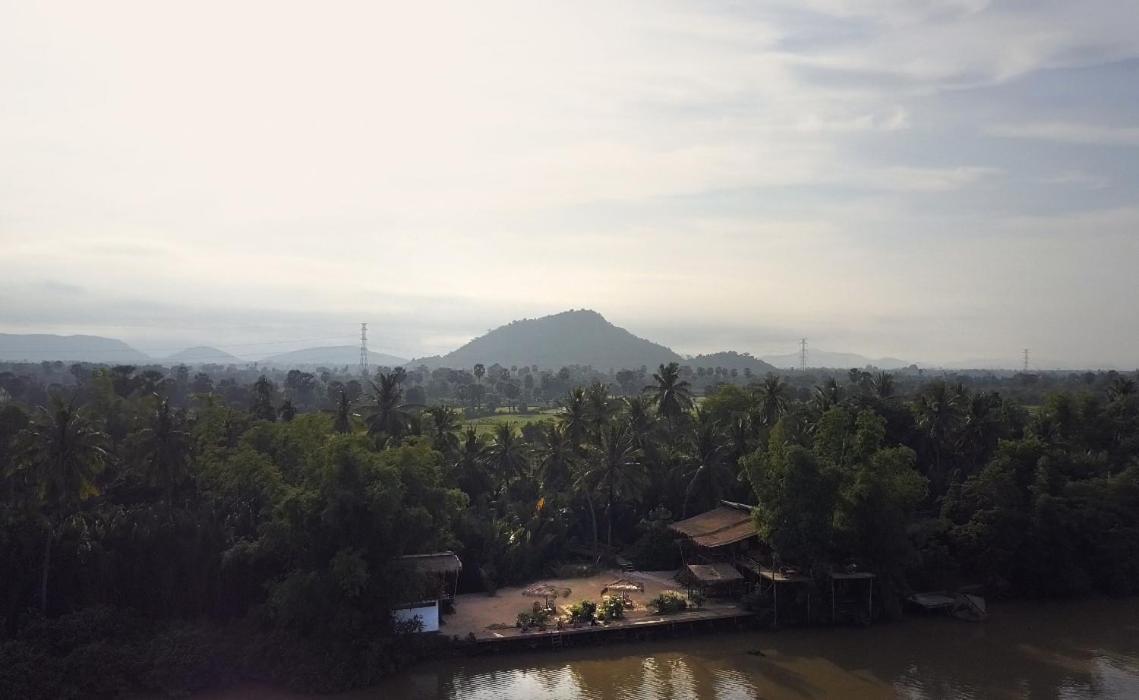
(593, 520)
(50, 536)
(609, 518)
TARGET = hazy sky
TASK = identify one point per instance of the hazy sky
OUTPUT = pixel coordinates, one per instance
(934, 180)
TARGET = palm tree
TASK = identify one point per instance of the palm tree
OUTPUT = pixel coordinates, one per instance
(671, 394)
(263, 399)
(342, 423)
(444, 424)
(556, 456)
(165, 450)
(619, 472)
(65, 453)
(773, 397)
(709, 470)
(826, 396)
(883, 385)
(938, 413)
(386, 416)
(471, 472)
(506, 454)
(597, 407)
(575, 415)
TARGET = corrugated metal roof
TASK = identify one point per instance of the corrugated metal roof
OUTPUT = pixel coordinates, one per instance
(717, 527)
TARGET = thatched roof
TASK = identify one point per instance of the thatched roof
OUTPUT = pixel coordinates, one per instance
(434, 563)
(717, 527)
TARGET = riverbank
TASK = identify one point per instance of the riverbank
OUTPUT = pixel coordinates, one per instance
(1075, 650)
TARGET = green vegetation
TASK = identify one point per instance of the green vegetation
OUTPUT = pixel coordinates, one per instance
(176, 531)
(668, 602)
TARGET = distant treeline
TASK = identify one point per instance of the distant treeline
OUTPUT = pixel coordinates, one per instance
(168, 529)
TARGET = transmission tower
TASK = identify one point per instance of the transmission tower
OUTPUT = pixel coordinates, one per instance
(1026, 359)
(363, 349)
(803, 353)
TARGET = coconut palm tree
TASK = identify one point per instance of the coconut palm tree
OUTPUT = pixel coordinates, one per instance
(386, 417)
(507, 454)
(709, 475)
(342, 422)
(883, 385)
(619, 472)
(165, 450)
(773, 397)
(575, 415)
(597, 407)
(471, 474)
(556, 455)
(443, 423)
(65, 454)
(671, 394)
(938, 413)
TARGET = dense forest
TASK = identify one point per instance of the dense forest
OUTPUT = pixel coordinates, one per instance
(166, 529)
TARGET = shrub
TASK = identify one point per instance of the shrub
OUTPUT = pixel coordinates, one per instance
(583, 611)
(612, 608)
(697, 598)
(668, 602)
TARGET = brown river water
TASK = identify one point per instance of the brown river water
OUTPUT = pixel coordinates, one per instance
(1087, 649)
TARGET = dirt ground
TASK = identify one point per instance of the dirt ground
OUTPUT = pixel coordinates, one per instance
(477, 612)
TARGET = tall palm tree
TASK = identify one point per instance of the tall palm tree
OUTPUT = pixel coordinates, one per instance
(65, 454)
(597, 407)
(773, 396)
(386, 417)
(938, 414)
(471, 474)
(165, 450)
(263, 400)
(556, 455)
(342, 422)
(826, 396)
(883, 385)
(709, 474)
(671, 394)
(619, 472)
(506, 454)
(575, 415)
(443, 422)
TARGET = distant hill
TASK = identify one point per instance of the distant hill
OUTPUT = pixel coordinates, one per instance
(203, 355)
(835, 360)
(38, 347)
(332, 356)
(569, 338)
(730, 360)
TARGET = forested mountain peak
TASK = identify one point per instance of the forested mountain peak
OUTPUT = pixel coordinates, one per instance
(574, 337)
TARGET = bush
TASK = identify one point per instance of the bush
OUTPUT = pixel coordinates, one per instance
(697, 598)
(539, 618)
(583, 611)
(668, 602)
(612, 608)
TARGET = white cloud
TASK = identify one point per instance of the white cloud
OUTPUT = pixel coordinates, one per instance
(1068, 132)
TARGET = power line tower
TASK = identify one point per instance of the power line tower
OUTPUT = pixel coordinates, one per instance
(1026, 359)
(363, 349)
(803, 353)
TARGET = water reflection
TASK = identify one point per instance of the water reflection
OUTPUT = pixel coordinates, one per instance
(1076, 650)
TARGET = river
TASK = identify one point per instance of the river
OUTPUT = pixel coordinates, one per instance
(1086, 649)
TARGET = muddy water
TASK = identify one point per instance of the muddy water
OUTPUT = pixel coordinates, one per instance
(1060, 650)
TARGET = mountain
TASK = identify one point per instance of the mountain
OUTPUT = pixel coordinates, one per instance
(835, 360)
(730, 360)
(203, 355)
(570, 338)
(332, 356)
(38, 347)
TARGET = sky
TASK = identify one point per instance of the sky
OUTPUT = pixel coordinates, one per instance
(936, 180)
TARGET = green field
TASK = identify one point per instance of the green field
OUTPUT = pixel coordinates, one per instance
(487, 424)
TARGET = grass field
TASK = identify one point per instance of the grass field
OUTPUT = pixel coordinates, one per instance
(487, 424)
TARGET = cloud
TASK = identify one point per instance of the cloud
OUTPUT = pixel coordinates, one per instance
(1068, 132)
